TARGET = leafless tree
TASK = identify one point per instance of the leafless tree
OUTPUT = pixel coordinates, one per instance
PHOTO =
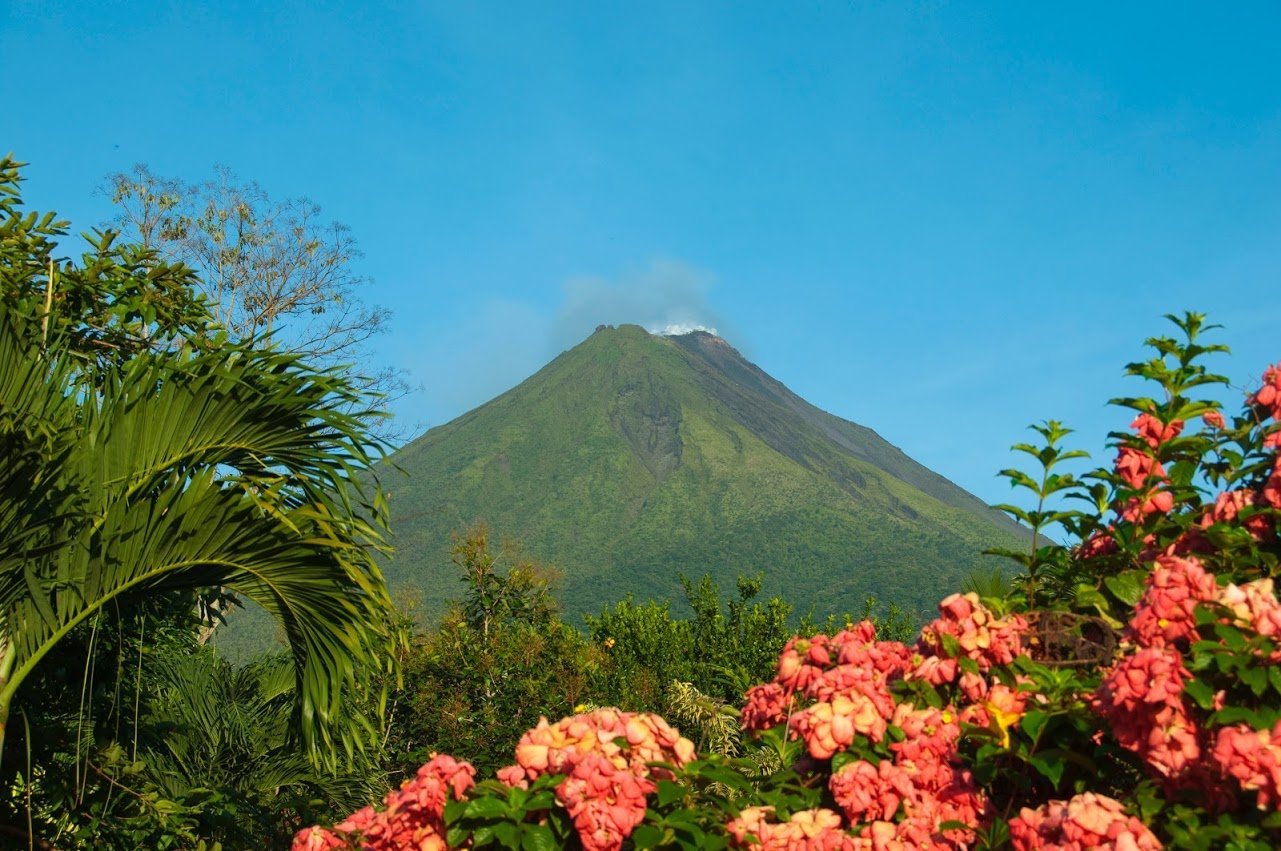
(269, 269)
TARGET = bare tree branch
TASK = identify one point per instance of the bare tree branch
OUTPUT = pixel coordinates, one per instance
(269, 269)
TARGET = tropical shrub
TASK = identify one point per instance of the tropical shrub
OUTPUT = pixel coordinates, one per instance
(1123, 694)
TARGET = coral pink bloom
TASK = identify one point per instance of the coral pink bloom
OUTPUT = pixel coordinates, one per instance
(1172, 746)
(798, 665)
(1253, 759)
(1166, 612)
(869, 792)
(978, 632)
(514, 776)
(1086, 821)
(935, 670)
(1255, 605)
(316, 839)
(1137, 467)
(807, 830)
(767, 705)
(1152, 502)
(1098, 544)
(1227, 507)
(1153, 675)
(1153, 431)
(828, 727)
(1269, 395)
(1213, 419)
(604, 802)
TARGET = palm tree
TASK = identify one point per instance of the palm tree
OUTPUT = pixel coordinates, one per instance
(234, 468)
(213, 726)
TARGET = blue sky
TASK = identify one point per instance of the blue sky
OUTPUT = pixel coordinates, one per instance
(941, 220)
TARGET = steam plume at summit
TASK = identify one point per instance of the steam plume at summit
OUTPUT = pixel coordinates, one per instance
(667, 297)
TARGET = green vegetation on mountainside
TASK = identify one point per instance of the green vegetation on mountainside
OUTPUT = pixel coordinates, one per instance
(633, 458)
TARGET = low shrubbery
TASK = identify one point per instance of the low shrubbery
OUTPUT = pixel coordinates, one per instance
(1123, 693)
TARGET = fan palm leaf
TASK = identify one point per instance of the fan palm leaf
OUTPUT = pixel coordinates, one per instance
(239, 469)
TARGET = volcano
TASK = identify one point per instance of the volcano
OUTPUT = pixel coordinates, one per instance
(635, 458)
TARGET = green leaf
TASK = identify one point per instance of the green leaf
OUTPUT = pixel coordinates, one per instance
(669, 792)
(538, 837)
(487, 808)
(1255, 678)
(1127, 586)
(647, 836)
(1274, 677)
(1231, 636)
(1032, 722)
(506, 833)
(1200, 692)
(1049, 767)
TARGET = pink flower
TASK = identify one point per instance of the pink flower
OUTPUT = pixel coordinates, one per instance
(1153, 431)
(1213, 419)
(980, 635)
(1097, 545)
(1166, 612)
(1253, 759)
(514, 776)
(1269, 395)
(867, 792)
(767, 705)
(604, 802)
(807, 830)
(1137, 467)
(828, 727)
(1255, 605)
(1227, 507)
(1086, 821)
(316, 839)
(412, 816)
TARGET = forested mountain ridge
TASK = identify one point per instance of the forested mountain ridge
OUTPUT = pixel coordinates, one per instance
(634, 457)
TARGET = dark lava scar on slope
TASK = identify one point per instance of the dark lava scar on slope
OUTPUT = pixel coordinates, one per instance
(648, 416)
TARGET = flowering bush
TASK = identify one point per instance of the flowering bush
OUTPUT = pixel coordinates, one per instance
(1124, 693)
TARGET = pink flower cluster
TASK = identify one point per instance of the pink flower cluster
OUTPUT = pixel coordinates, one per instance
(605, 758)
(1166, 612)
(834, 692)
(1143, 699)
(1269, 397)
(1086, 821)
(412, 817)
(1142, 472)
(808, 830)
(981, 636)
(902, 801)
(1253, 758)
(846, 678)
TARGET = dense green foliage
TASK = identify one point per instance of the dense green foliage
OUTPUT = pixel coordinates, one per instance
(502, 657)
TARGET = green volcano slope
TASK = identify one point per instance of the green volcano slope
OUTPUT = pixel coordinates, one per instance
(632, 458)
